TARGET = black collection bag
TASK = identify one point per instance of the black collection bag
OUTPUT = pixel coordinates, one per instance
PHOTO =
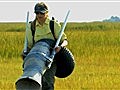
(65, 63)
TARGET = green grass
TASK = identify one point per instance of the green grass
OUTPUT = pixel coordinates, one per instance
(10, 70)
(97, 59)
(96, 55)
(11, 44)
(12, 27)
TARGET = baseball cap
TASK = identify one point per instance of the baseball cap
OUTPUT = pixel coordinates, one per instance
(40, 8)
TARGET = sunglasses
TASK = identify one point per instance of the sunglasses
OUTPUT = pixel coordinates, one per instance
(40, 13)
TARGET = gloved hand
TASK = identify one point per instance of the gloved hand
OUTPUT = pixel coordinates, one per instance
(58, 48)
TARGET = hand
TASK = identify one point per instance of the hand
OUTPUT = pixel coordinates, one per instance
(57, 49)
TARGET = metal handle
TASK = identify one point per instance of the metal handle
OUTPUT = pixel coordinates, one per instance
(58, 40)
(26, 40)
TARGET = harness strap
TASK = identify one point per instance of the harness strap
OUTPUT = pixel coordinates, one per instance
(33, 28)
(51, 24)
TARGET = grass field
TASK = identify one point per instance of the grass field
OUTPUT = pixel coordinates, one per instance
(97, 57)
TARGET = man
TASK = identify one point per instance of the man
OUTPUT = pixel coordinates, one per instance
(34, 65)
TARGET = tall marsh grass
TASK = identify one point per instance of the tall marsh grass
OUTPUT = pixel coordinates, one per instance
(96, 55)
(11, 44)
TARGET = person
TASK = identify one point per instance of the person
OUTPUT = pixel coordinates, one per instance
(34, 64)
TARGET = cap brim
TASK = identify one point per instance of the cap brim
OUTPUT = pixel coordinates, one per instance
(41, 11)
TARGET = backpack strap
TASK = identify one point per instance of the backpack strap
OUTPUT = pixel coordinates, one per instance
(51, 24)
(33, 29)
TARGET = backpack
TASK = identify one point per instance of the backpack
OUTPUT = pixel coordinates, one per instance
(64, 58)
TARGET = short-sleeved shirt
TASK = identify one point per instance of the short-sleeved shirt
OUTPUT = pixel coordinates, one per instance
(44, 32)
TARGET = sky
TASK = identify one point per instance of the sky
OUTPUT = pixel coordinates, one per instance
(80, 11)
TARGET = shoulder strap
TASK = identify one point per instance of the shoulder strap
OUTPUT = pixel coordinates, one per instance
(51, 24)
(33, 28)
